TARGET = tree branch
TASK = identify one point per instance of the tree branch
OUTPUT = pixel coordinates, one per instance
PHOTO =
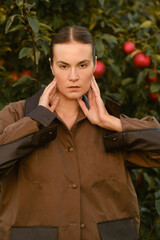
(34, 54)
(148, 38)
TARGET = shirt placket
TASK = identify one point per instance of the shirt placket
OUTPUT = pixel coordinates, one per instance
(72, 193)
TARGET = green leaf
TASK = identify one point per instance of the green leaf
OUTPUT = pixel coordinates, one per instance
(92, 22)
(147, 178)
(157, 203)
(147, 24)
(29, 6)
(22, 80)
(2, 68)
(9, 22)
(33, 22)
(16, 28)
(127, 81)
(109, 38)
(141, 76)
(5, 49)
(157, 194)
(45, 26)
(116, 69)
(101, 2)
(45, 47)
(19, 3)
(80, 5)
(157, 57)
(24, 52)
(99, 48)
(47, 39)
(152, 74)
(155, 87)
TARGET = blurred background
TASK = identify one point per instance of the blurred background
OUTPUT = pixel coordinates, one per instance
(127, 38)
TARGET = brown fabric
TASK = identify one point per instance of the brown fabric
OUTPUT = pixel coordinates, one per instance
(71, 183)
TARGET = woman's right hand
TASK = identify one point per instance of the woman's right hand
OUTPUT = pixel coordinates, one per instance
(49, 98)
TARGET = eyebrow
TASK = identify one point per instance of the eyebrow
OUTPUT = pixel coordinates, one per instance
(85, 60)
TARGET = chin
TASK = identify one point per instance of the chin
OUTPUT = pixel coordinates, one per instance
(74, 95)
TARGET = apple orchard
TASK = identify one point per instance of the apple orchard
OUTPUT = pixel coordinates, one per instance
(127, 39)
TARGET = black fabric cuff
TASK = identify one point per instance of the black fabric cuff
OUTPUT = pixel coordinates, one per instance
(42, 115)
(114, 142)
(133, 140)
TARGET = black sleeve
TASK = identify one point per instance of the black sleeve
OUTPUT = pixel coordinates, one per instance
(11, 152)
(133, 140)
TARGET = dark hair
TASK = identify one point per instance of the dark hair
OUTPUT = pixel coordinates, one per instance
(72, 33)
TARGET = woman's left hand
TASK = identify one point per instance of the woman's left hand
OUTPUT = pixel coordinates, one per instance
(97, 113)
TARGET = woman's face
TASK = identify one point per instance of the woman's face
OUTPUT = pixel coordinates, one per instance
(73, 68)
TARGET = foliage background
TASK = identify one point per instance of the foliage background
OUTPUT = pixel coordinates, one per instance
(26, 29)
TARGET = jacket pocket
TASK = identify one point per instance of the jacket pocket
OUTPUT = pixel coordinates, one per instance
(34, 233)
(123, 229)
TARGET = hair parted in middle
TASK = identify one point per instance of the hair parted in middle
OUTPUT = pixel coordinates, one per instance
(72, 33)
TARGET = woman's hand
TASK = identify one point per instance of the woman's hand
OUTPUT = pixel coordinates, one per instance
(97, 113)
(48, 98)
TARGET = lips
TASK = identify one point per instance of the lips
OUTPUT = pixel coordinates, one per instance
(74, 87)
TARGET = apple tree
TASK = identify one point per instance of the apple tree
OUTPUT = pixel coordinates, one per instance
(127, 39)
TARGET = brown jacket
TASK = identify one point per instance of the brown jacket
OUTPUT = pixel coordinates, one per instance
(70, 185)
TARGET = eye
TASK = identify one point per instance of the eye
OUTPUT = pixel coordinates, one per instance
(83, 65)
(63, 66)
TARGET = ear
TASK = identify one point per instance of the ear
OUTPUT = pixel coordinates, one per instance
(95, 64)
(51, 66)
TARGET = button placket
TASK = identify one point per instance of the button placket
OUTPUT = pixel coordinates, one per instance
(73, 188)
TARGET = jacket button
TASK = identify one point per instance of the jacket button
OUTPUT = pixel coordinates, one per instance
(70, 149)
(83, 225)
(114, 139)
(74, 186)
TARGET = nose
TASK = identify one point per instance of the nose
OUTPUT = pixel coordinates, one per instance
(73, 75)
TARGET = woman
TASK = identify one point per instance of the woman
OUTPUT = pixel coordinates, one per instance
(65, 159)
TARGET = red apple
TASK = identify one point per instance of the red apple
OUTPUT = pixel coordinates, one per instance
(15, 75)
(128, 47)
(153, 96)
(100, 70)
(27, 73)
(152, 79)
(141, 60)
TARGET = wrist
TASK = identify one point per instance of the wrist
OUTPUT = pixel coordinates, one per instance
(112, 123)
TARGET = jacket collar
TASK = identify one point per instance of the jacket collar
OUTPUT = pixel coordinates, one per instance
(112, 107)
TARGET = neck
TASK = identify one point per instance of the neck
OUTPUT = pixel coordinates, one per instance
(67, 107)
